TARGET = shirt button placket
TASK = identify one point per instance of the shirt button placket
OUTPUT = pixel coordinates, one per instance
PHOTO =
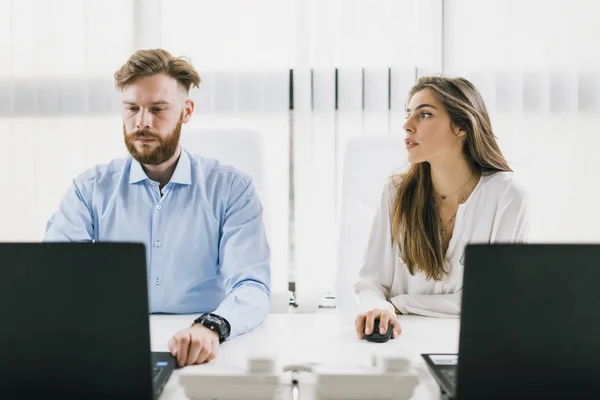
(156, 244)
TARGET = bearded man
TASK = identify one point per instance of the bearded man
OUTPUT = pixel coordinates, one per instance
(201, 222)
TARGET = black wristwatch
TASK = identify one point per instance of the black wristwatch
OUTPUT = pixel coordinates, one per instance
(215, 323)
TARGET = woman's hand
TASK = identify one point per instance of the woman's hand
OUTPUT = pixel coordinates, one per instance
(364, 323)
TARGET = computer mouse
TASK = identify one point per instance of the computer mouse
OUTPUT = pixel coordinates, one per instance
(377, 337)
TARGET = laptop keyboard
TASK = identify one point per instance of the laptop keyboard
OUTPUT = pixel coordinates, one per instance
(155, 372)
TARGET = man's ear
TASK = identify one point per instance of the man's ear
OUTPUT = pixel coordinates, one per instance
(188, 110)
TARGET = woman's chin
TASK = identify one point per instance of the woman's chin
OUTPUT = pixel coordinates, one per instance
(413, 159)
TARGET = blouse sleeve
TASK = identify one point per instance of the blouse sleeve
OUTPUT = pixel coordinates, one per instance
(377, 271)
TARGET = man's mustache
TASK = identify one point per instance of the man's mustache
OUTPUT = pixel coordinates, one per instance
(145, 134)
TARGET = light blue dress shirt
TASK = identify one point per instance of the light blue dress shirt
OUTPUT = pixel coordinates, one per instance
(206, 246)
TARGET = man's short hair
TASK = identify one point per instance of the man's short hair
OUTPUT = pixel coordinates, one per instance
(157, 61)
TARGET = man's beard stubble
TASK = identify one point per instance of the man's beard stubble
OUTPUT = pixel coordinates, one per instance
(167, 145)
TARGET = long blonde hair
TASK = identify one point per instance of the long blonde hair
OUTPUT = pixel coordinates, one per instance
(414, 219)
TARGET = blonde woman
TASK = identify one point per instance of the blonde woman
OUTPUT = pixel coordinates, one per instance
(459, 189)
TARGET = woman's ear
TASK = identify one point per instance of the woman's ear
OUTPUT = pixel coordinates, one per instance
(458, 131)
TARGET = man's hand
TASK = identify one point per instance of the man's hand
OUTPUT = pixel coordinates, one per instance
(364, 323)
(194, 345)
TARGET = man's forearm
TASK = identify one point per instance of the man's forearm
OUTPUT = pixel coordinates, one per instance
(245, 307)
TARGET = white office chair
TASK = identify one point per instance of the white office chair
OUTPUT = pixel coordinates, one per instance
(368, 162)
(242, 149)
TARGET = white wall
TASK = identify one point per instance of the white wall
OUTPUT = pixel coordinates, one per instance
(56, 63)
(538, 66)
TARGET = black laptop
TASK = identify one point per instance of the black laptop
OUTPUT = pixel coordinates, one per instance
(74, 323)
(530, 324)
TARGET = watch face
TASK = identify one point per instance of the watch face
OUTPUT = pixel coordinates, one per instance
(214, 320)
(216, 324)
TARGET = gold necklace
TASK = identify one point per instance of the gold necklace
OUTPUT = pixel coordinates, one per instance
(444, 228)
(444, 197)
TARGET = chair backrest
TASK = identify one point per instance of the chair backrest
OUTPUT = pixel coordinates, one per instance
(244, 150)
(368, 162)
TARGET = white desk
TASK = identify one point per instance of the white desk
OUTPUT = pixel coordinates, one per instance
(315, 338)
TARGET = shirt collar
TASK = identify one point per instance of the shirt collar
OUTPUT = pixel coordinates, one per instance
(181, 175)
(183, 170)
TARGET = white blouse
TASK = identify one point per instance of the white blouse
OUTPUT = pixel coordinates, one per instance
(496, 211)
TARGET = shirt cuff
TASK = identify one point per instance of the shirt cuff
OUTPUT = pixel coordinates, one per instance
(400, 304)
(405, 306)
(231, 318)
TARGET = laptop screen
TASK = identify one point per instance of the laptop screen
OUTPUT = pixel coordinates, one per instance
(75, 320)
(530, 324)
